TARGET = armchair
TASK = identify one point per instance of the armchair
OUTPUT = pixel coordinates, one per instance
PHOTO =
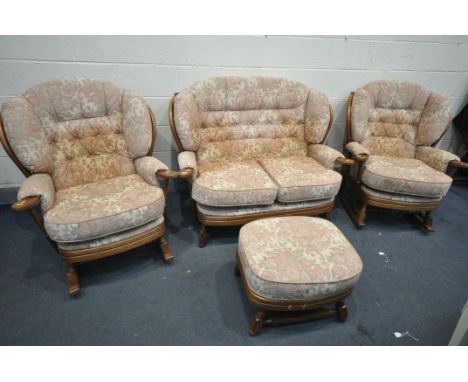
(253, 147)
(392, 130)
(85, 147)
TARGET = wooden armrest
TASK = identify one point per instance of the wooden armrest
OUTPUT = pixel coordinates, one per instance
(361, 157)
(344, 161)
(167, 174)
(458, 164)
(26, 203)
(186, 173)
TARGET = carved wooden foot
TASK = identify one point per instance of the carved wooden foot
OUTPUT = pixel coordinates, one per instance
(166, 251)
(427, 223)
(361, 216)
(72, 280)
(236, 271)
(341, 311)
(256, 323)
(203, 236)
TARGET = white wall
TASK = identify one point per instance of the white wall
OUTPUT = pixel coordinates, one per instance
(156, 67)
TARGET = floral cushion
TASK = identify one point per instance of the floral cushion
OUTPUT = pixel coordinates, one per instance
(78, 130)
(98, 209)
(404, 176)
(398, 197)
(302, 179)
(436, 158)
(240, 183)
(297, 258)
(39, 185)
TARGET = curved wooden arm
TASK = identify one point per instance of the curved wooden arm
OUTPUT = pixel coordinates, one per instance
(458, 164)
(26, 203)
(167, 174)
(186, 173)
(344, 161)
(361, 157)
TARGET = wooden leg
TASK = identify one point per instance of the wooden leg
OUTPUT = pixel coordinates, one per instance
(256, 323)
(428, 222)
(236, 271)
(72, 280)
(203, 236)
(361, 216)
(166, 251)
(341, 311)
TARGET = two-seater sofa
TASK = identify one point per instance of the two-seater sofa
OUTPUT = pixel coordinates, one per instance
(253, 147)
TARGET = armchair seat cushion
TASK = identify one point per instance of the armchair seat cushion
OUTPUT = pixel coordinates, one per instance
(233, 184)
(101, 208)
(302, 179)
(405, 176)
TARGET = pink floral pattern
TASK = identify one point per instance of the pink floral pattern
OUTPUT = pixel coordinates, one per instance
(39, 185)
(102, 208)
(147, 167)
(356, 148)
(302, 179)
(398, 197)
(297, 258)
(404, 176)
(188, 159)
(436, 158)
(325, 155)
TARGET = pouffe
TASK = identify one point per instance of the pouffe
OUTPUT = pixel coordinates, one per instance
(293, 268)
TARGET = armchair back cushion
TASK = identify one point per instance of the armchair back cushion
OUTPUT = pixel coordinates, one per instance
(391, 118)
(78, 130)
(234, 118)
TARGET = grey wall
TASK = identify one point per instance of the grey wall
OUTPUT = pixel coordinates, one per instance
(156, 67)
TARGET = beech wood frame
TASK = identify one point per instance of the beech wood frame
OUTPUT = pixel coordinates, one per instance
(73, 257)
(356, 200)
(273, 312)
(229, 220)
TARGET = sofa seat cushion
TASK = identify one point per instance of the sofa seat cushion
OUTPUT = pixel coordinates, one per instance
(302, 178)
(233, 184)
(405, 176)
(101, 208)
(297, 258)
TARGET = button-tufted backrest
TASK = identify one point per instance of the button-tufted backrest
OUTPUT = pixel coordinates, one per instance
(393, 117)
(234, 118)
(78, 130)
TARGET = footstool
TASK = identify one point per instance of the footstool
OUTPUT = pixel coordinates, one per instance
(294, 267)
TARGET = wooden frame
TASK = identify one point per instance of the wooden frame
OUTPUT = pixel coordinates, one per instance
(281, 312)
(227, 220)
(73, 257)
(356, 200)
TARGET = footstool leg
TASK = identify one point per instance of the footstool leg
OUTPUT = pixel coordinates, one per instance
(256, 323)
(341, 311)
(72, 280)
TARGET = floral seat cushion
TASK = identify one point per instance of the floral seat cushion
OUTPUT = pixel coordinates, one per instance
(302, 179)
(405, 176)
(297, 258)
(101, 208)
(239, 183)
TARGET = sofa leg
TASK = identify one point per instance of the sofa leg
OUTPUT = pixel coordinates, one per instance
(72, 280)
(166, 251)
(361, 216)
(341, 311)
(256, 323)
(203, 236)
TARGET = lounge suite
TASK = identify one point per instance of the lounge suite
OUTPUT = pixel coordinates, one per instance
(86, 148)
(253, 147)
(393, 128)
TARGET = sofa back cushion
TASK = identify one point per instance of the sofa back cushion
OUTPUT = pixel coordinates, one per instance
(392, 117)
(78, 130)
(234, 118)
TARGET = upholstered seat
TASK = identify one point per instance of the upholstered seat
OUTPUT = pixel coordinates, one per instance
(97, 209)
(405, 176)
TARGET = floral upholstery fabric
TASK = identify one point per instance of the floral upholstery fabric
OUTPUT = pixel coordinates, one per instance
(78, 130)
(297, 258)
(240, 183)
(436, 158)
(302, 179)
(237, 118)
(38, 185)
(325, 155)
(188, 159)
(398, 197)
(392, 117)
(102, 208)
(147, 167)
(404, 176)
(111, 239)
(356, 148)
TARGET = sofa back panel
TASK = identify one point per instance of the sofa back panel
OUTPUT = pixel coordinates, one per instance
(259, 148)
(78, 130)
(392, 117)
(234, 108)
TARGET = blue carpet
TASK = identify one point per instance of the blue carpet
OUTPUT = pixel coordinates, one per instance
(135, 299)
